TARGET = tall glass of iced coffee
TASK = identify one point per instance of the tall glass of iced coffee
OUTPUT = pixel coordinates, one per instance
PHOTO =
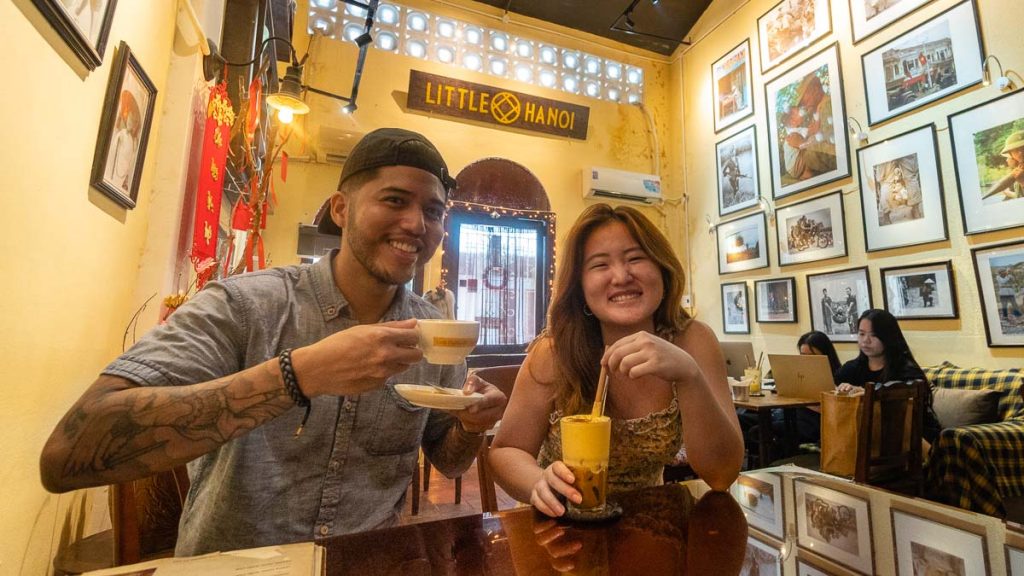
(585, 445)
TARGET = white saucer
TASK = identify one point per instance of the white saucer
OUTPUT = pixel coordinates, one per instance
(428, 397)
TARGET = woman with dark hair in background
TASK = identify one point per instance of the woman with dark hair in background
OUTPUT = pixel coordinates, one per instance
(818, 343)
(884, 357)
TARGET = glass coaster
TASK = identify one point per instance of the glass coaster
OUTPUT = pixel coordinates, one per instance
(610, 511)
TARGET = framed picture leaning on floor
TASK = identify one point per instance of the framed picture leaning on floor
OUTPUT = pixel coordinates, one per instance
(999, 270)
(807, 139)
(738, 184)
(901, 191)
(988, 156)
(937, 58)
(731, 87)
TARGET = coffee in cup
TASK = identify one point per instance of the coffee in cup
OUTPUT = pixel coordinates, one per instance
(586, 441)
(447, 341)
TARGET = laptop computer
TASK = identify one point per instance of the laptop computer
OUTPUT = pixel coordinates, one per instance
(801, 376)
(738, 355)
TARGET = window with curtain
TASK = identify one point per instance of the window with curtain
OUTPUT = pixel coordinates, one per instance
(500, 277)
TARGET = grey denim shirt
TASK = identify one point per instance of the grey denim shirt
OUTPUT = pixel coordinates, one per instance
(347, 472)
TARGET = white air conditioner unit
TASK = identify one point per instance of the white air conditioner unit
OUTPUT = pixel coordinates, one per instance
(333, 145)
(621, 185)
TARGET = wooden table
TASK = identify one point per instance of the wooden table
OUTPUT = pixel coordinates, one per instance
(664, 530)
(763, 406)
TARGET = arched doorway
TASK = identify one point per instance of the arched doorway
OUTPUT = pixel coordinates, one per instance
(498, 255)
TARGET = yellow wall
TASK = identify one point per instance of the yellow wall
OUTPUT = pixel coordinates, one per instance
(959, 341)
(617, 138)
(74, 262)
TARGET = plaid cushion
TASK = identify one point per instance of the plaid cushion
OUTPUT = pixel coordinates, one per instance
(978, 466)
(1007, 381)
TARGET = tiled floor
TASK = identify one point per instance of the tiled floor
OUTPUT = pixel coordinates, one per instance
(438, 502)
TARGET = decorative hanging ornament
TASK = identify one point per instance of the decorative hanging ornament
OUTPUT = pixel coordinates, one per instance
(220, 116)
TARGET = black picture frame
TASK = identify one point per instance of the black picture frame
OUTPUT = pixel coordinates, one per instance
(906, 171)
(860, 27)
(824, 240)
(739, 184)
(980, 209)
(989, 261)
(120, 145)
(732, 66)
(767, 305)
(920, 291)
(840, 322)
(813, 34)
(736, 253)
(821, 155)
(69, 25)
(735, 308)
(896, 97)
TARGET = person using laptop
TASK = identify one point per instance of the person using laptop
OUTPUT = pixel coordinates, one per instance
(808, 420)
(884, 356)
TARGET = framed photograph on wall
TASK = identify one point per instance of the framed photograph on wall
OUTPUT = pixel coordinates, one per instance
(760, 496)
(870, 16)
(811, 230)
(742, 244)
(124, 129)
(837, 300)
(731, 87)
(930, 546)
(84, 25)
(937, 58)
(920, 292)
(807, 139)
(834, 524)
(811, 565)
(999, 271)
(988, 152)
(775, 300)
(735, 312)
(789, 27)
(1014, 551)
(901, 191)
(738, 185)
(762, 558)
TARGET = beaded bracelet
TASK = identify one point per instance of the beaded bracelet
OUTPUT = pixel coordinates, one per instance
(291, 385)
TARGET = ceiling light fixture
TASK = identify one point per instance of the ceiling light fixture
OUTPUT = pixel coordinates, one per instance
(626, 24)
(288, 99)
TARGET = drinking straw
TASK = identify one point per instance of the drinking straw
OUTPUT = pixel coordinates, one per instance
(747, 358)
(601, 394)
(759, 360)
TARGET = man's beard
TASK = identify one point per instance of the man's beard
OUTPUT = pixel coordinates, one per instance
(363, 252)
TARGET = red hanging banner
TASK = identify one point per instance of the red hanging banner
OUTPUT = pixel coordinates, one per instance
(220, 116)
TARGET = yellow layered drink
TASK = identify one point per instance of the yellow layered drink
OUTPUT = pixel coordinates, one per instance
(585, 444)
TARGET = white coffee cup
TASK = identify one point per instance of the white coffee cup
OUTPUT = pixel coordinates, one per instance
(447, 341)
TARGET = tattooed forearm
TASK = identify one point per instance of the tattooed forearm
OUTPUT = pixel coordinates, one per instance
(118, 431)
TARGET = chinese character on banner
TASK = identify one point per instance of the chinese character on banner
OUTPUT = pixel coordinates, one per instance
(220, 116)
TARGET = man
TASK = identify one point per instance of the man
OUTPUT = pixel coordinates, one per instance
(1008, 309)
(218, 385)
(1011, 186)
(826, 310)
(851, 310)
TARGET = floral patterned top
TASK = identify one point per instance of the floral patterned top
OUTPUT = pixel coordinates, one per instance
(640, 447)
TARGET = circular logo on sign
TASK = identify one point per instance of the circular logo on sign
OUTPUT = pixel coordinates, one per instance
(505, 107)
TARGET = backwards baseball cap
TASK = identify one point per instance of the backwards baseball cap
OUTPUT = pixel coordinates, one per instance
(390, 147)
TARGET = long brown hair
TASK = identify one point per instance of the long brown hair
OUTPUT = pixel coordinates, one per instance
(576, 337)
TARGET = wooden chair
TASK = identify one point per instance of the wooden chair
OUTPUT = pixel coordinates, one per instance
(889, 451)
(144, 516)
(504, 378)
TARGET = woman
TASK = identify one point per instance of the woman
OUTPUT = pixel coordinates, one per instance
(818, 343)
(617, 304)
(884, 356)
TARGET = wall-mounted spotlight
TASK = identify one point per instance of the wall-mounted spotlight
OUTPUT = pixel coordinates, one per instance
(364, 39)
(711, 225)
(1002, 81)
(860, 133)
